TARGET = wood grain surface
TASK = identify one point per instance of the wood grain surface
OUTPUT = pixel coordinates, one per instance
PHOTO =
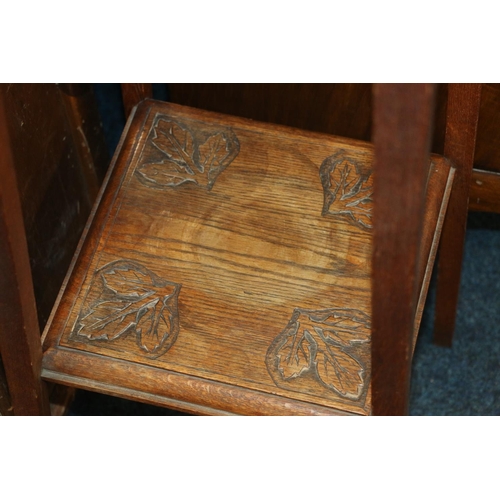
(226, 267)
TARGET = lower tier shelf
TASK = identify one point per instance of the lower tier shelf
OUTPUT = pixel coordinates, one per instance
(226, 269)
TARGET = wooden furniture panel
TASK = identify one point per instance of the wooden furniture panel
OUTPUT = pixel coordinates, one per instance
(57, 184)
(227, 269)
(342, 109)
(53, 154)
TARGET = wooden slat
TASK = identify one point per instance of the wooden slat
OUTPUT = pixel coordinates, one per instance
(134, 93)
(402, 129)
(19, 333)
(460, 141)
(484, 193)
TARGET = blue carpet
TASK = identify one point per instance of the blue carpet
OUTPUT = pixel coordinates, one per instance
(463, 380)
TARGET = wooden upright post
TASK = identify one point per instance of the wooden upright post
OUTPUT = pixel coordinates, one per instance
(402, 129)
(20, 346)
(460, 141)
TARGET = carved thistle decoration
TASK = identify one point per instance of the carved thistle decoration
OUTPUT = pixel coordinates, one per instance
(347, 190)
(125, 299)
(187, 152)
(324, 347)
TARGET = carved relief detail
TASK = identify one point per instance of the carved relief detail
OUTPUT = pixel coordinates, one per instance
(125, 299)
(187, 152)
(347, 189)
(322, 346)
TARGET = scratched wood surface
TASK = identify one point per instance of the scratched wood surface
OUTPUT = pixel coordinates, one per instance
(228, 267)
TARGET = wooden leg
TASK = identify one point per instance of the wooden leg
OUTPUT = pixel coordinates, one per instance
(134, 93)
(402, 129)
(460, 141)
(20, 345)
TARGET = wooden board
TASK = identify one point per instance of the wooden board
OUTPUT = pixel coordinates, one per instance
(227, 267)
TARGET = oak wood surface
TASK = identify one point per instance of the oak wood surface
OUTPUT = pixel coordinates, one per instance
(237, 229)
(401, 169)
(19, 332)
(460, 141)
(169, 389)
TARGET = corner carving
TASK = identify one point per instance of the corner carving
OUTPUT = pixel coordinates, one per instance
(347, 190)
(322, 347)
(126, 299)
(187, 152)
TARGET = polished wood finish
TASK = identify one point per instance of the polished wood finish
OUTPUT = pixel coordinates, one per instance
(134, 93)
(19, 333)
(227, 269)
(342, 109)
(460, 141)
(401, 169)
(484, 193)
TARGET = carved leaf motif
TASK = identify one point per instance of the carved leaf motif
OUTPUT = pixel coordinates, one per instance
(321, 342)
(194, 153)
(107, 320)
(213, 151)
(345, 326)
(165, 174)
(295, 354)
(339, 371)
(127, 282)
(154, 324)
(176, 141)
(125, 298)
(347, 191)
